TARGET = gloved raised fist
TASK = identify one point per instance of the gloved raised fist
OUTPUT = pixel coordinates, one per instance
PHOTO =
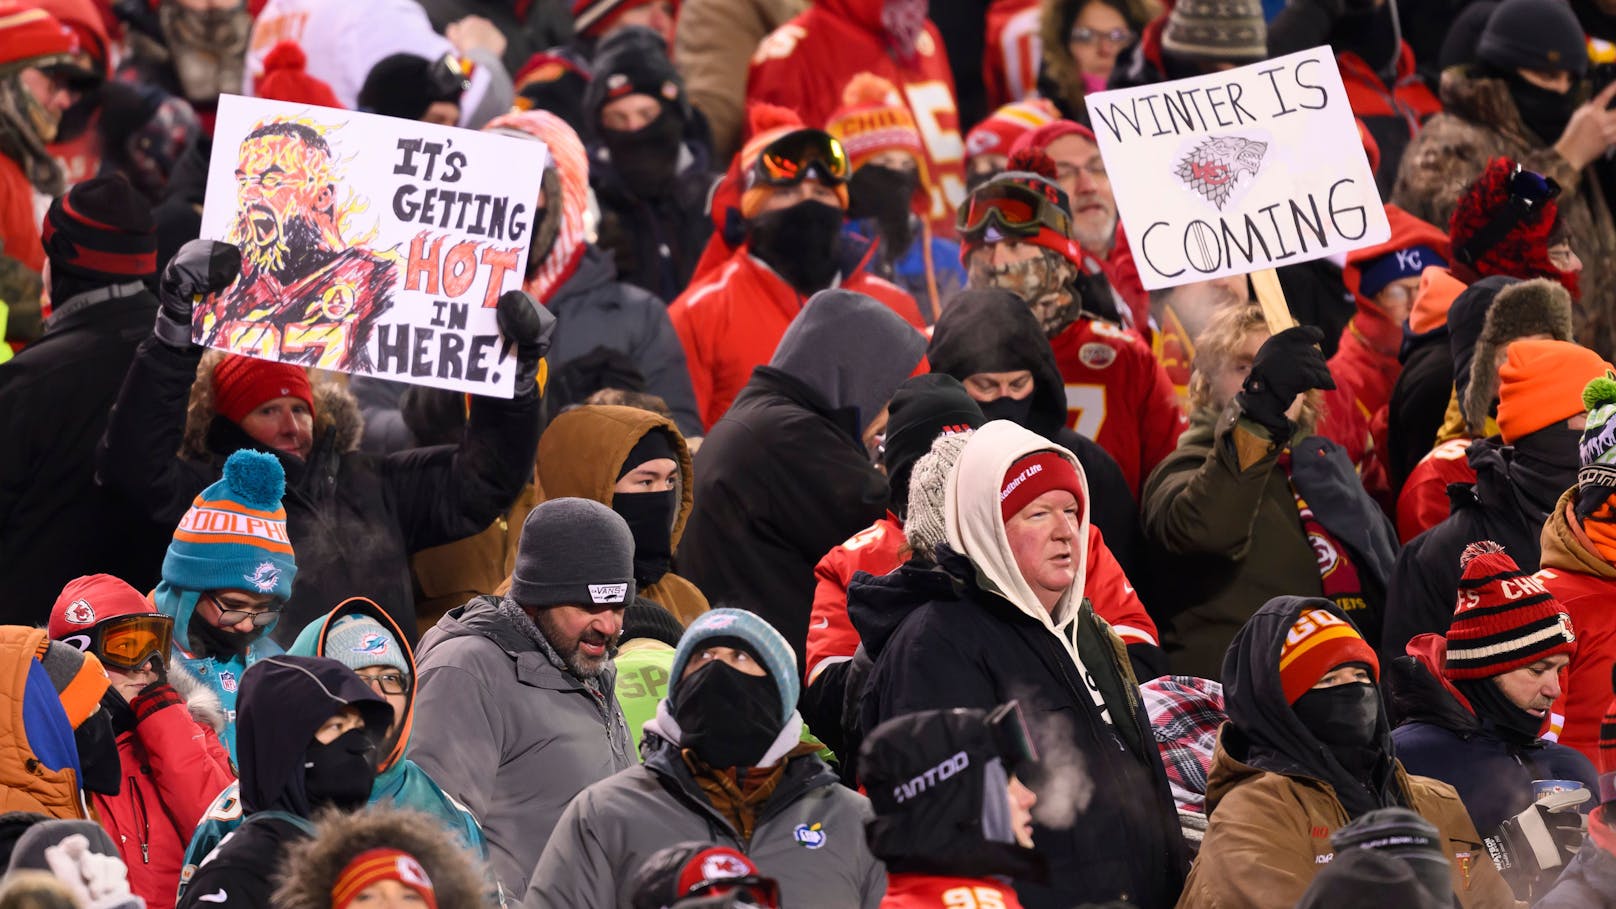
(529, 326)
(1286, 365)
(200, 268)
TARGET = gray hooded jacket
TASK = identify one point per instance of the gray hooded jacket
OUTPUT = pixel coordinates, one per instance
(508, 734)
(809, 835)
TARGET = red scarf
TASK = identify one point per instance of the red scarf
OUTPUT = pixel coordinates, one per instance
(1339, 576)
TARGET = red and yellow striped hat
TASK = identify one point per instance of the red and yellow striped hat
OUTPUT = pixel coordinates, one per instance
(1318, 642)
(374, 866)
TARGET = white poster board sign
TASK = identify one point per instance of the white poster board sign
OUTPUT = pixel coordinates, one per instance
(1241, 170)
(369, 245)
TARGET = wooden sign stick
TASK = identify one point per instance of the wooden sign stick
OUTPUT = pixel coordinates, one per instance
(1272, 297)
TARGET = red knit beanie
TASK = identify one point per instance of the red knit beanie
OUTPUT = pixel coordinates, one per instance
(1319, 641)
(286, 78)
(1034, 475)
(242, 384)
(1505, 618)
(376, 865)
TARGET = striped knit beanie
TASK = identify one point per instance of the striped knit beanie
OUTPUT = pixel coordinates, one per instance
(1607, 750)
(873, 119)
(1505, 618)
(1319, 641)
(234, 535)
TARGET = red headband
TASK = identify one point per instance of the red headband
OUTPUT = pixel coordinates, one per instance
(1034, 475)
(376, 865)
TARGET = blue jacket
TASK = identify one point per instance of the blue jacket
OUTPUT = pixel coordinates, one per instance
(222, 676)
(930, 269)
(1439, 736)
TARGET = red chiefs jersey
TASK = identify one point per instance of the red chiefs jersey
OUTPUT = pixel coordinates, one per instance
(1013, 51)
(1118, 395)
(877, 550)
(1423, 503)
(805, 64)
(926, 891)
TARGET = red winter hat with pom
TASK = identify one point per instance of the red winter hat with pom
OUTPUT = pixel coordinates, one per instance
(766, 123)
(872, 120)
(286, 78)
(1041, 137)
(1505, 618)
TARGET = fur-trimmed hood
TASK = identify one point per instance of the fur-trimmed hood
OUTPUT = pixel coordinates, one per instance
(312, 866)
(1536, 307)
(200, 700)
(335, 411)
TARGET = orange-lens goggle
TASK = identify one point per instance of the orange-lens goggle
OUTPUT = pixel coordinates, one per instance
(795, 156)
(127, 642)
(1014, 210)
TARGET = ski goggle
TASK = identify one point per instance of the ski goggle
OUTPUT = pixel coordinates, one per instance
(128, 642)
(798, 155)
(1014, 209)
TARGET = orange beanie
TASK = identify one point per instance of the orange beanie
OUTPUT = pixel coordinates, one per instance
(1541, 384)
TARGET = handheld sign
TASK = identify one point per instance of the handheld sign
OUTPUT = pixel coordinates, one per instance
(369, 245)
(1242, 170)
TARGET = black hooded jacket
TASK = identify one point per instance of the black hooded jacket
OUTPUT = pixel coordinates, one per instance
(284, 701)
(1509, 503)
(784, 476)
(938, 640)
(993, 331)
(1265, 733)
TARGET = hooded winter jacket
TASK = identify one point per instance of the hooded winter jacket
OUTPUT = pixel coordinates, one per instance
(314, 866)
(1420, 394)
(1481, 122)
(1227, 539)
(784, 476)
(286, 701)
(731, 320)
(1584, 583)
(1272, 796)
(968, 631)
(56, 524)
(509, 734)
(994, 331)
(805, 64)
(354, 518)
(172, 767)
(221, 674)
(398, 780)
(578, 283)
(809, 834)
(39, 759)
(581, 455)
(1511, 500)
(1439, 734)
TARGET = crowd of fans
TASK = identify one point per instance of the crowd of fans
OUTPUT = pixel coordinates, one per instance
(860, 532)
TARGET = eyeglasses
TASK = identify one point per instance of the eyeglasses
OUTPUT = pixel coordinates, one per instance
(1015, 209)
(128, 642)
(260, 617)
(1117, 36)
(387, 682)
(798, 155)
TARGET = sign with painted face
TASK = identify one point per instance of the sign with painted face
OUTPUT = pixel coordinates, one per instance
(1245, 169)
(369, 245)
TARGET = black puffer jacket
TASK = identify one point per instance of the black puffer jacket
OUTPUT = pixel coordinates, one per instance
(354, 519)
(940, 641)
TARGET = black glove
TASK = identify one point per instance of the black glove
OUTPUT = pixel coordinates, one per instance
(529, 326)
(1286, 365)
(123, 718)
(199, 269)
(1543, 837)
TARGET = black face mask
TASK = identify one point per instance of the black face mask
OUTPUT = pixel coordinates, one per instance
(1544, 111)
(650, 519)
(214, 641)
(799, 243)
(1545, 465)
(340, 774)
(885, 195)
(1489, 702)
(647, 158)
(1008, 408)
(1345, 716)
(727, 717)
(98, 754)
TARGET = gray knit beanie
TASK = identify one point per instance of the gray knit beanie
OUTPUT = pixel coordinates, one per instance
(927, 524)
(1231, 31)
(574, 552)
